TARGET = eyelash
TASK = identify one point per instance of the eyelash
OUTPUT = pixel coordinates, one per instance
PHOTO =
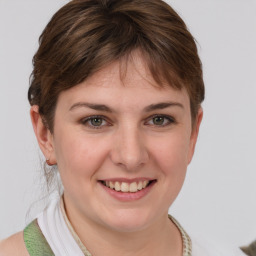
(85, 121)
(170, 120)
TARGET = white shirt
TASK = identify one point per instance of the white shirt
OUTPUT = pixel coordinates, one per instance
(61, 241)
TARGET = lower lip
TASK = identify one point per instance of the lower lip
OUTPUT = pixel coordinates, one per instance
(128, 196)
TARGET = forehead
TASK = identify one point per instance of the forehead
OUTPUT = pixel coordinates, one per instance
(129, 70)
(126, 82)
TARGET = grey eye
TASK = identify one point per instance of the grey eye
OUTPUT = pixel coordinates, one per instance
(161, 120)
(158, 120)
(96, 121)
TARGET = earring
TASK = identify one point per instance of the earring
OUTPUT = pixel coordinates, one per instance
(48, 162)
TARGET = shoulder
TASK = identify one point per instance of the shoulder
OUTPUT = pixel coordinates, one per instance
(203, 247)
(13, 246)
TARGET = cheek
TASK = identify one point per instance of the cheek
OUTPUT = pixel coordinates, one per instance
(171, 154)
(78, 156)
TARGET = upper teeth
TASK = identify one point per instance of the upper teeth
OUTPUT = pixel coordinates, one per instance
(126, 187)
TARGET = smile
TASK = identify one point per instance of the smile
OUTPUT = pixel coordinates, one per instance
(127, 187)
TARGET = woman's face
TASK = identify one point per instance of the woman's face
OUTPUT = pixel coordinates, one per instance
(122, 147)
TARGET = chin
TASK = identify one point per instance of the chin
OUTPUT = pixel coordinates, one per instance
(128, 221)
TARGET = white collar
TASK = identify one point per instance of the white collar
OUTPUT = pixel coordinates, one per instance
(56, 232)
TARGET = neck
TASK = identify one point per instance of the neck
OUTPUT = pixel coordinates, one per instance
(161, 238)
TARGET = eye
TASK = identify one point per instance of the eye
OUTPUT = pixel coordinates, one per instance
(161, 120)
(95, 122)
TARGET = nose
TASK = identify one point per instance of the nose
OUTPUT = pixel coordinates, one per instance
(129, 149)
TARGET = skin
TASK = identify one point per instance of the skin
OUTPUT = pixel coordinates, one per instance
(13, 246)
(129, 143)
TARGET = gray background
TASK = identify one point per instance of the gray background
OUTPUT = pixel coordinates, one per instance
(219, 196)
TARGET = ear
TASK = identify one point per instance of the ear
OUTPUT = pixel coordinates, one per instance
(194, 134)
(43, 135)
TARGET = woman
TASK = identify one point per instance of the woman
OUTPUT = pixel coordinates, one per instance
(115, 96)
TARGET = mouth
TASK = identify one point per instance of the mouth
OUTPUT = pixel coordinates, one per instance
(127, 187)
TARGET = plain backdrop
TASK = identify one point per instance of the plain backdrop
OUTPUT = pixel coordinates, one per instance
(218, 199)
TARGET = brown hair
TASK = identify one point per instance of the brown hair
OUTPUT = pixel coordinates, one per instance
(85, 35)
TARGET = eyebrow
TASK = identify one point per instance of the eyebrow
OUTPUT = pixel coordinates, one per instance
(162, 105)
(102, 107)
(99, 107)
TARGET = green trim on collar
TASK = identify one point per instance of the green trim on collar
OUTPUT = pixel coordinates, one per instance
(35, 241)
